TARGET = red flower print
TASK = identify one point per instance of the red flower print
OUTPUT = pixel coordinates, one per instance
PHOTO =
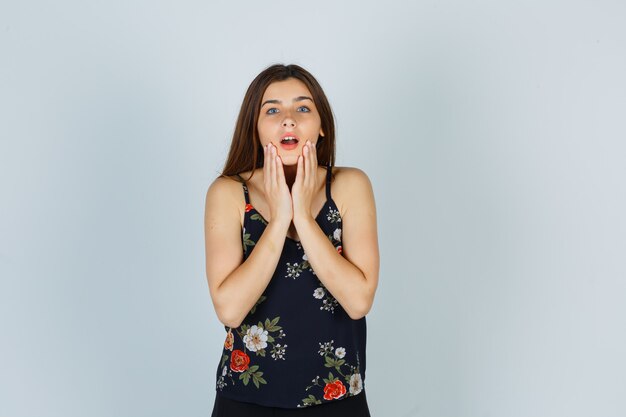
(248, 207)
(339, 249)
(228, 344)
(239, 361)
(334, 390)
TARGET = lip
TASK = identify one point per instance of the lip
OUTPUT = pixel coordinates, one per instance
(288, 146)
(290, 134)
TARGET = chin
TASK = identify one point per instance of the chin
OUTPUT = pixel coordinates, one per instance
(290, 163)
(289, 159)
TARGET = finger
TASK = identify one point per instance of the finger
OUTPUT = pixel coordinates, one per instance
(270, 167)
(309, 178)
(314, 163)
(303, 171)
(280, 177)
(274, 167)
(269, 189)
(314, 156)
(266, 167)
(299, 169)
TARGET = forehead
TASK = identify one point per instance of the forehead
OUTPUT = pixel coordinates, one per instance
(286, 89)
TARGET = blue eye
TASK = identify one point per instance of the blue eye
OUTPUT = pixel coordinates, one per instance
(269, 111)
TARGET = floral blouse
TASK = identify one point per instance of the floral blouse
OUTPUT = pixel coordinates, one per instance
(297, 347)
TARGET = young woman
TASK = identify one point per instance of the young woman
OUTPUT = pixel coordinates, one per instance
(292, 268)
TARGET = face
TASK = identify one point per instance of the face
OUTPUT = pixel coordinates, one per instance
(287, 108)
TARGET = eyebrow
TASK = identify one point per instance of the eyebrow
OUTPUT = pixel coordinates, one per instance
(299, 98)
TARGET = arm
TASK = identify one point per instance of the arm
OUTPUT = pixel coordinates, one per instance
(352, 278)
(235, 286)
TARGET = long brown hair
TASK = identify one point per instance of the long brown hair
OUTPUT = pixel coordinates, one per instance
(245, 150)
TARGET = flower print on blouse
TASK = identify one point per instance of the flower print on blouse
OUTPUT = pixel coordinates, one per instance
(297, 347)
(256, 339)
(334, 386)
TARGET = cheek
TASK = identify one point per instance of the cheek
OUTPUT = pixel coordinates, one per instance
(314, 123)
(264, 128)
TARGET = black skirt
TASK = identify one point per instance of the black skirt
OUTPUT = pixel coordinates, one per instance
(353, 406)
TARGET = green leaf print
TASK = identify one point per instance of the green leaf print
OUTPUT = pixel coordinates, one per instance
(310, 400)
(333, 363)
(257, 217)
(247, 241)
(330, 378)
(246, 378)
(330, 362)
(256, 376)
(271, 326)
(260, 300)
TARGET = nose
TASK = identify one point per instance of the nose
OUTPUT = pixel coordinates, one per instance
(289, 121)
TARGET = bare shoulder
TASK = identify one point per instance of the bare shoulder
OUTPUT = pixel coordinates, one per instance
(224, 197)
(351, 186)
(222, 188)
(346, 176)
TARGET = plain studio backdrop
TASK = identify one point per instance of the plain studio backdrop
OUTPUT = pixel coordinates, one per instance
(492, 132)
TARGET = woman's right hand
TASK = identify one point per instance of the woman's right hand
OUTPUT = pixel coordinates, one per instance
(276, 189)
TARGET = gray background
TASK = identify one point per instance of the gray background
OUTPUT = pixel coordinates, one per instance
(493, 134)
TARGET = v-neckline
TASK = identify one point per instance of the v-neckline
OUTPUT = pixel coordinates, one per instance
(265, 222)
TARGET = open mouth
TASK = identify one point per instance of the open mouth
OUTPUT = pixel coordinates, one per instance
(290, 140)
(289, 143)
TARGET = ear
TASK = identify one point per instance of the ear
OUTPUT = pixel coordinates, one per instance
(321, 132)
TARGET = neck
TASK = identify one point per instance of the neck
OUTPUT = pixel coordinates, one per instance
(290, 174)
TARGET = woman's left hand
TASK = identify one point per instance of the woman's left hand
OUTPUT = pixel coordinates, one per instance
(305, 185)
